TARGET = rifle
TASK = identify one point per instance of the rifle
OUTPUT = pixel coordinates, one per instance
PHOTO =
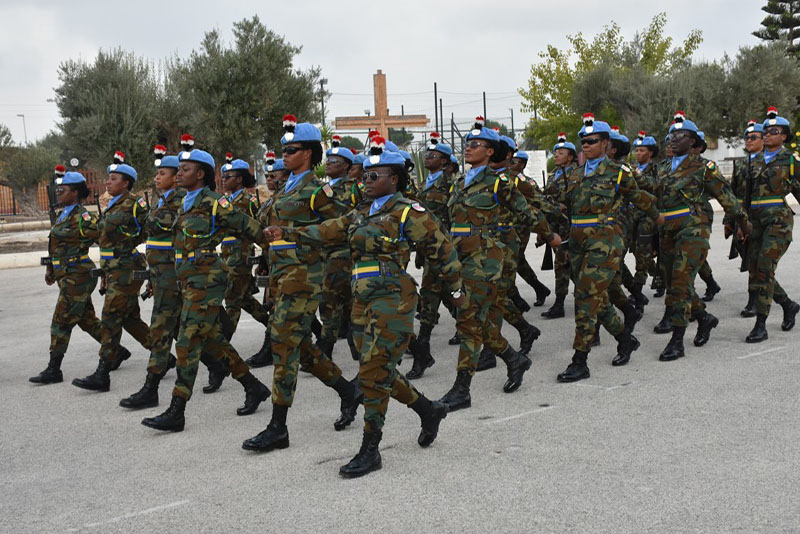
(748, 199)
(547, 260)
(733, 253)
(51, 203)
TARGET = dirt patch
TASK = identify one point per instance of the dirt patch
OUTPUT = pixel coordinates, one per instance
(11, 247)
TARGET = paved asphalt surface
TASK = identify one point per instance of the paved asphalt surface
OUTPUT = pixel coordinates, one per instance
(705, 444)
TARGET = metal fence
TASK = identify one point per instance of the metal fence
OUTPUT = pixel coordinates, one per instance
(9, 203)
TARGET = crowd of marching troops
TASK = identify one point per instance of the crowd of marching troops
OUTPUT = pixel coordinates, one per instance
(334, 255)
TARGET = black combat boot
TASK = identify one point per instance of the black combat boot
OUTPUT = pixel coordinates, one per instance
(790, 310)
(344, 327)
(712, 288)
(664, 326)
(626, 345)
(217, 372)
(455, 340)
(171, 420)
(631, 316)
(705, 323)
(122, 355)
(759, 331)
(97, 381)
(487, 360)
(263, 357)
(325, 345)
(316, 327)
(750, 309)
(147, 397)
(518, 301)
(542, 292)
(52, 374)
(351, 398)
(368, 458)
(639, 300)
(556, 311)
(527, 335)
(421, 353)
(674, 348)
(430, 415)
(275, 436)
(659, 286)
(458, 396)
(517, 365)
(255, 392)
(577, 370)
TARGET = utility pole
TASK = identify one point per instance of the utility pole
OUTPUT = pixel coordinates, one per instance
(435, 106)
(441, 115)
(484, 106)
(24, 128)
(512, 123)
(322, 83)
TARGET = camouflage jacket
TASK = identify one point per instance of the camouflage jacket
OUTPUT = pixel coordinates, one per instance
(380, 244)
(158, 228)
(121, 230)
(434, 198)
(477, 211)
(536, 198)
(770, 184)
(348, 193)
(684, 192)
(235, 250)
(648, 178)
(69, 242)
(310, 202)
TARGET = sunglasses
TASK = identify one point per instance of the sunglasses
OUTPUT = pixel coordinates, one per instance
(372, 176)
(431, 155)
(290, 150)
(754, 137)
(476, 144)
(334, 161)
(229, 176)
(773, 131)
(679, 136)
(592, 141)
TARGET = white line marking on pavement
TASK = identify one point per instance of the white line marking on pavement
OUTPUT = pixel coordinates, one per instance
(776, 349)
(607, 388)
(132, 514)
(523, 414)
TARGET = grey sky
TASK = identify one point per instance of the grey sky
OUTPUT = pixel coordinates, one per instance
(467, 46)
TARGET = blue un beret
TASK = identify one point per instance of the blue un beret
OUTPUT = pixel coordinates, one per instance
(384, 159)
(684, 125)
(390, 147)
(236, 165)
(277, 166)
(508, 141)
(303, 132)
(341, 151)
(483, 133)
(754, 127)
(521, 154)
(591, 126)
(121, 168)
(167, 162)
(565, 144)
(454, 159)
(197, 156)
(71, 177)
(359, 159)
(440, 147)
(645, 141)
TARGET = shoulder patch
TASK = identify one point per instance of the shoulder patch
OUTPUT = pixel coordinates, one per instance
(141, 202)
(504, 177)
(711, 165)
(86, 216)
(417, 206)
(626, 168)
(327, 190)
(253, 198)
(222, 201)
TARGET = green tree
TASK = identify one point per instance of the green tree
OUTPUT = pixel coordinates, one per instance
(22, 169)
(349, 141)
(400, 136)
(782, 24)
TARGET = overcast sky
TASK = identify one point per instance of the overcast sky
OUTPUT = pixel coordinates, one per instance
(456, 43)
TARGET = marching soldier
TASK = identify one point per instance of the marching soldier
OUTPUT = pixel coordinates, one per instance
(646, 174)
(705, 273)
(120, 232)
(593, 196)
(380, 235)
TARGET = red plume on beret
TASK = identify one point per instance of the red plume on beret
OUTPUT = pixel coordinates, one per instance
(354, 151)
(373, 133)
(772, 112)
(270, 158)
(336, 140)
(228, 157)
(187, 142)
(588, 119)
(289, 122)
(60, 170)
(376, 145)
(480, 120)
(680, 116)
(642, 134)
(159, 150)
(562, 137)
(615, 128)
(119, 157)
(751, 122)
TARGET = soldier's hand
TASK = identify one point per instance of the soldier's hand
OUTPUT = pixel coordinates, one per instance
(49, 277)
(148, 291)
(273, 233)
(660, 220)
(728, 230)
(539, 241)
(556, 241)
(743, 232)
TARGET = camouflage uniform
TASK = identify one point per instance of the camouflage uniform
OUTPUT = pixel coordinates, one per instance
(296, 275)
(684, 236)
(431, 290)
(596, 242)
(772, 220)
(167, 300)
(385, 296)
(69, 243)
(120, 232)
(203, 278)
(556, 185)
(235, 252)
(644, 227)
(475, 213)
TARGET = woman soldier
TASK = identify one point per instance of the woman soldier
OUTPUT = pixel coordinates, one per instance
(69, 265)
(380, 236)
(773, 178)
(296, 274)
(236, 177)
(646, 173)
(593, 196)
(204, 217)
(476, 203)
(683, 189)
(120, 230)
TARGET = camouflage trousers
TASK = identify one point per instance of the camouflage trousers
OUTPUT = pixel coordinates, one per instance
(766, 244)
(501, 307)
(683, 251)
(200, 330)
(296, 302)
(74, 307)
(432, 293)
(382, 329)
(595, 255)
(471, 321)
(562, 269)
(616, 294)
(121, 310)
(643, 249)
(164, 325)
(336, 301)
(238, 297)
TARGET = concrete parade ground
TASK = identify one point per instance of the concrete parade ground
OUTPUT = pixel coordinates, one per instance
(708, 443)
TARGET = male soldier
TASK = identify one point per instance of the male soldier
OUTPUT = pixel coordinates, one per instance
(565, 158)
(772, 177)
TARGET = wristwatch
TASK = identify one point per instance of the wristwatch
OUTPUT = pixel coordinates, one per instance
(457, 294)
